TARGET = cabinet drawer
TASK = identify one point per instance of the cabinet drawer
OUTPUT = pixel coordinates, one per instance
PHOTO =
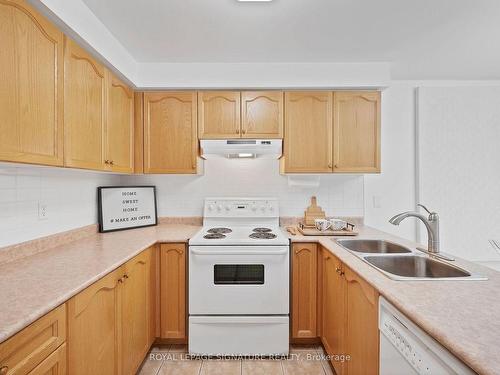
(54, 364)
(24, 351)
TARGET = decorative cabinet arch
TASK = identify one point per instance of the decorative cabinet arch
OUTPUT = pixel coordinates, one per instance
(94, 317)
(170, 139)
(84, 109)
(262, 114)
(308, 139)
(219, 114)
(356, 131)
(31, 58)
(304, 285)
(119, 155)
(173, 291)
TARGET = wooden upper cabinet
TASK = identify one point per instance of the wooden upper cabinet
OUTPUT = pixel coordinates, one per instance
(84, 108)
(262, 114)
(304, 286)
(136, 305)
(361, 320)
(308, 132)
(356, 131)
(173, 291)
(119, 154)
(94, 328)
(219, 114)
(333, 308)
(31, 76)
(170, 141)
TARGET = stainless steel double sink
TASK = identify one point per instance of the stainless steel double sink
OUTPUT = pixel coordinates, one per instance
(401, 263)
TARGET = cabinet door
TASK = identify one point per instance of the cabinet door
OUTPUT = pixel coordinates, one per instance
(262, 114)
(219, 114)
(93, 328)
(136, 308)
(54, 364)
(84, 109)
(31, 76)
(333, 314)
(170, 141)
(119, 156)
(173, 291)
(308, 132)
(304, 283)
(362, 336)
(356, 132)
(23, 352)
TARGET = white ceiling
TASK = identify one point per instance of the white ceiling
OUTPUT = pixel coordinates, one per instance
(426, 39)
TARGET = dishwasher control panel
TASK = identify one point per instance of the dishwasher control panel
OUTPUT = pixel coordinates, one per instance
(404, 344)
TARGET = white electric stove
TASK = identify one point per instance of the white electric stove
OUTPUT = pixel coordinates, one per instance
(239, 280)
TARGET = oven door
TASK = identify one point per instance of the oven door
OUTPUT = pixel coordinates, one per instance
(238, 280)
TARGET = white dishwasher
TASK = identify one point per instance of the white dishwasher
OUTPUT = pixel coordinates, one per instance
(406, 349)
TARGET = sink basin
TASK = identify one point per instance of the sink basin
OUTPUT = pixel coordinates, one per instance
(373, 246)
(416, 267)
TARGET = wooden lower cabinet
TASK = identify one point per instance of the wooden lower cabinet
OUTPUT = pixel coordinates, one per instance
(349, 319)
(304, 286)
(333, 309)
(173, 292)
(108, 323)
(33, 349)
(94, 328)
(361, 322)
(136, 301)
(54, 364)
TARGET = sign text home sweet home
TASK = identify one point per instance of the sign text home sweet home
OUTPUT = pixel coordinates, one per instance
(126, 207)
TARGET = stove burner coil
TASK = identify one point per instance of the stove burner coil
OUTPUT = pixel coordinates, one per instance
(214, 236)
(262, 230)
(219, 230)
(263, 236)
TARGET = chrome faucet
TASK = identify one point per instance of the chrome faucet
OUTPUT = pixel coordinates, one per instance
(431, 223)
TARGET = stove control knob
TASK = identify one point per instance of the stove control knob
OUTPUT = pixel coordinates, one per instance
(263, 208)
(228, 207)
(254, 207)
(219, 207)
(211, 207)
(271, 208)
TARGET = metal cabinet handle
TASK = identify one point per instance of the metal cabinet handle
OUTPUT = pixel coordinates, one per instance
(329, 165)
(125, 276)
(4, 370)
(244, 131)
(111, 162)
(120, 280)
(339, 271)
(106, 161)
(237, 131)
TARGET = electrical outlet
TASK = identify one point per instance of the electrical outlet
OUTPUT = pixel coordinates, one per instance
(43, 213)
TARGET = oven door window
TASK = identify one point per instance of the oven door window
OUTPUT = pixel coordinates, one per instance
(238, 274)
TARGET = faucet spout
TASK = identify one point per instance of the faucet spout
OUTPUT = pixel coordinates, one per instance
(431, 223)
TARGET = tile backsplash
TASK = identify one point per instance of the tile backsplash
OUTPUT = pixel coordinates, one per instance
(68, 195)
(182, 195)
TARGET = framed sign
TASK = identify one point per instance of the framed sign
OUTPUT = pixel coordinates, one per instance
(126, 207)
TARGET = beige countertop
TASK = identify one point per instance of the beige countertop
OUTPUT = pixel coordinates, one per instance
(461, 315)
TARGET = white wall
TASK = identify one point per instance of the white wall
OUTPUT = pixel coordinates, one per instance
(459, 158)
(394, 188)
(70, 197)
(183, 195)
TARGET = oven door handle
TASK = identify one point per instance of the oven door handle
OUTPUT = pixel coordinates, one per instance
(238, 252)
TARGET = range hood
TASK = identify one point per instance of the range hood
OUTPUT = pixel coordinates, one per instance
(241, 148)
